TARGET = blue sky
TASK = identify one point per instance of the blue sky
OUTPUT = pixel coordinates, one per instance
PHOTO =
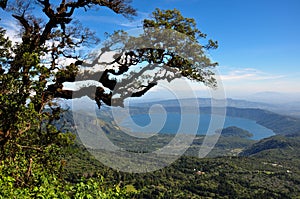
(258, 39)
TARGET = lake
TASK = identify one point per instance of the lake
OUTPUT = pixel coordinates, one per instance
(172, 124)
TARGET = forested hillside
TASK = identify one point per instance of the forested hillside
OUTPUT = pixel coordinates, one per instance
(238, 168)
(191, 177)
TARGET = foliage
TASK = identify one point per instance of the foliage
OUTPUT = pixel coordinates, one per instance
(61, 36)
(279, 146)
(37, 160)
(273, 172)
(191, 177)
(235, 131)
(168, 48)
(27, 133)
(48, 185)
(31, 78)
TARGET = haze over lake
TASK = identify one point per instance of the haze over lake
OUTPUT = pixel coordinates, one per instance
(172, 124)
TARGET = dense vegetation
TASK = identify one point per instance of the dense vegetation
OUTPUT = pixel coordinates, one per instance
(40, 156)
(233, 131)
(262, 176)
(34, 144)
(238, 168)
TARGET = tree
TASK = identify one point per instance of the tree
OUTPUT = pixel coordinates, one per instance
(32, 77)
(168, 48)
(30, 141)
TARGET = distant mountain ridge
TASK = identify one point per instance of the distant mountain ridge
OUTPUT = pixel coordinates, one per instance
(204, 102)
(291, 109)
(274, 97)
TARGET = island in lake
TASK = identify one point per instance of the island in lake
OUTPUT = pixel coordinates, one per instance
(233, 131)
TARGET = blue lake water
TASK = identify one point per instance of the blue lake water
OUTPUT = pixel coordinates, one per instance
(203, 126)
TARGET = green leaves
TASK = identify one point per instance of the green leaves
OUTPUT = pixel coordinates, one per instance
(172, 19)
(168, 48)
(31, 141)
(47, 185)
(5, 45)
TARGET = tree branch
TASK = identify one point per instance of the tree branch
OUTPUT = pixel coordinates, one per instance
(24, 23)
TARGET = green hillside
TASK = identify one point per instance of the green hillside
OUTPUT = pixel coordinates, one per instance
(233, 131)
(276, 147)
(190, 177)
(239, 167)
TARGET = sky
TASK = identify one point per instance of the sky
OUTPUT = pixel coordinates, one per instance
(258, 39)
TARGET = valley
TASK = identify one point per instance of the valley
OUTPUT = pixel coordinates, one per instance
(237, 166)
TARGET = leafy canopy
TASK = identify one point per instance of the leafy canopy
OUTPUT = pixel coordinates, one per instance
(168, 48)
(32, 75)
(31, 141)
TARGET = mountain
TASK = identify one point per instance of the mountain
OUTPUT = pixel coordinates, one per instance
(280, 124)
(271, 103)
(233, 131)
(290, 108)
(268, 168)
(280, 148)
(274, 97)
(205, 102)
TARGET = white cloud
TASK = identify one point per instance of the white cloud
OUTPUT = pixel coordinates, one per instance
(137, 22)
(244, 81)
(115, 19)
(12, 29)
(249, 74)
(131, 24)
